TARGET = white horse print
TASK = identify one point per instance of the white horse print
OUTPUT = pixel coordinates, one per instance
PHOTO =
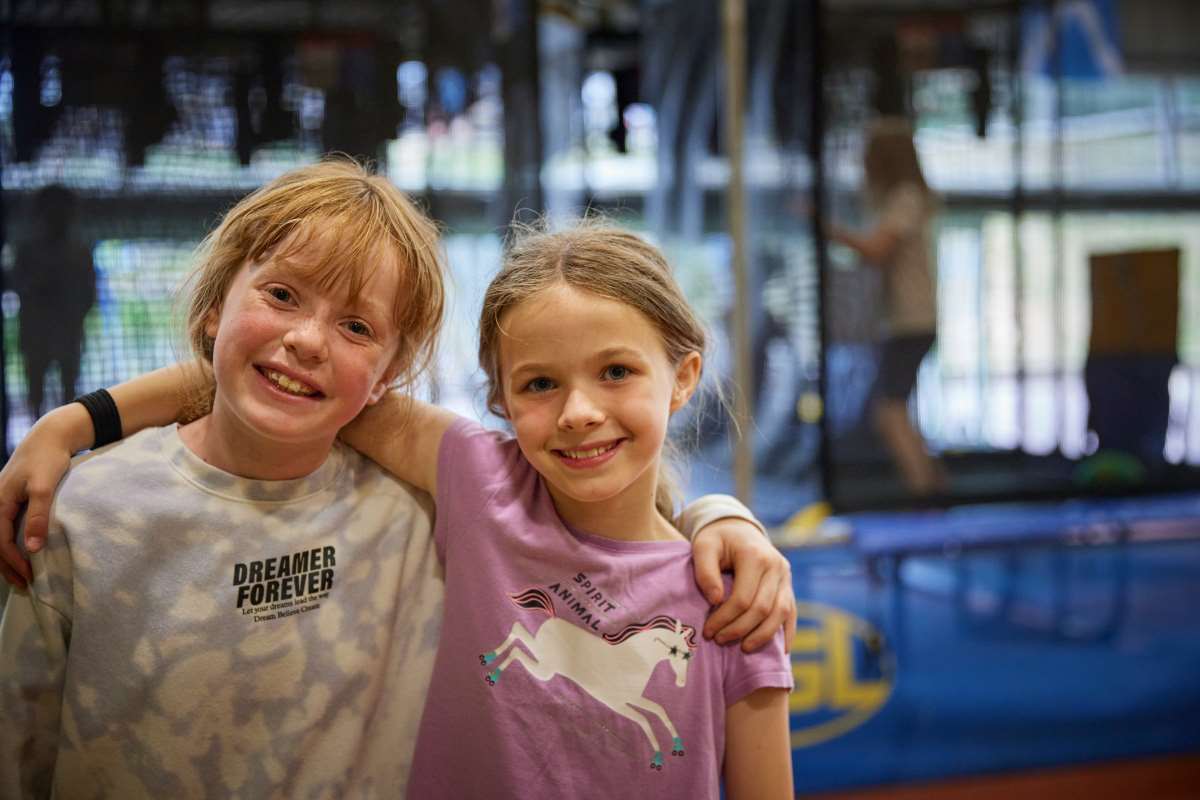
(613, 669)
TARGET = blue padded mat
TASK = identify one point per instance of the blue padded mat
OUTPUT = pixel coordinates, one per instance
(896, 533)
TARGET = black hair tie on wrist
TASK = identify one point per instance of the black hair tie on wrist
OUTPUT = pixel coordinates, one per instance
(106, 420)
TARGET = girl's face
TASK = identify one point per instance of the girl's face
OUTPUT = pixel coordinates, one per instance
(293, 362)
(588, 388)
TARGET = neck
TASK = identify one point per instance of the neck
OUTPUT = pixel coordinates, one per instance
(230, 448)
(630, 516)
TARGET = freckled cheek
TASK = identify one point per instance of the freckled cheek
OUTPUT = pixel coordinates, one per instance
(354, 370)
(246, 330)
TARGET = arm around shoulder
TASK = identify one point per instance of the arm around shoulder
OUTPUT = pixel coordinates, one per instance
(403, 436)
(758, 754)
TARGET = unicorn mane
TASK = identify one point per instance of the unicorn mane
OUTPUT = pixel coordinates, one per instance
(661, 622)
(534, 599)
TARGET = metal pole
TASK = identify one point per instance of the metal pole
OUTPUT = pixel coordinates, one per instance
(816, 155)
(733, 31)
(1018, 210)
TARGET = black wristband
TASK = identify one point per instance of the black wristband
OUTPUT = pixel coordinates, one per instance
(106, 420)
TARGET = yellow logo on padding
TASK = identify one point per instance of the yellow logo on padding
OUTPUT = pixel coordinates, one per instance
(844, 673)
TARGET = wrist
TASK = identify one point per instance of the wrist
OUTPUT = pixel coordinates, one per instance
(711, 508)
(70, 426)
(106, 419)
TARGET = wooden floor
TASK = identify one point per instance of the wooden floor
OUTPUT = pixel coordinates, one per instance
(1167, 778)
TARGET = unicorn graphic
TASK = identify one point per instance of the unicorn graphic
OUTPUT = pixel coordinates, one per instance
(613, 669)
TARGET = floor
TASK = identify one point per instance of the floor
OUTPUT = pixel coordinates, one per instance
(1165, 778)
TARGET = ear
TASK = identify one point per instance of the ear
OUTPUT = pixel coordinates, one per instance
(687, 378)
(212, 321)
(384, 383)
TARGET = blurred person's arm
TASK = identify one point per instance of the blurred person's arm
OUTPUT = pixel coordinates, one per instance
(876, 246)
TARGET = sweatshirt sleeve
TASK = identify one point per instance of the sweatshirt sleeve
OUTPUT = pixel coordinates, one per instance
(34, 636)
(710, 508)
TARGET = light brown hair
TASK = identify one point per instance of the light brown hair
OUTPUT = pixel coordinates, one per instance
(595, 257)
(358, 221)
(890, 159)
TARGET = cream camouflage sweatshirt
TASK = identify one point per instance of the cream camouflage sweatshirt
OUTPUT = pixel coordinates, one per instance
(194, 634)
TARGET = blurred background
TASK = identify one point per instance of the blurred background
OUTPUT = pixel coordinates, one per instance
(997, 561)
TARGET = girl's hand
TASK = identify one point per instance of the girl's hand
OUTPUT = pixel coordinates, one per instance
(30, 478)
(761, 600)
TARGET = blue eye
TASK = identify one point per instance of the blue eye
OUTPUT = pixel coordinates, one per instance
(281, 294)
(616, 372)
(540, 385)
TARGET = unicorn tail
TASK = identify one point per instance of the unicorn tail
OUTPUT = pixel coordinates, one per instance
(534, 599)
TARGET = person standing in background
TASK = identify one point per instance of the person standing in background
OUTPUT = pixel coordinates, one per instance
(56, 280)
(900, 244)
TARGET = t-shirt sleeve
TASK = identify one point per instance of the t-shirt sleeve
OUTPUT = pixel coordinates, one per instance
(474, 464)
(769, 667)
(903, 210)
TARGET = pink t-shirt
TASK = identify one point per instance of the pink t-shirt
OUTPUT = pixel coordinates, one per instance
(570, 665)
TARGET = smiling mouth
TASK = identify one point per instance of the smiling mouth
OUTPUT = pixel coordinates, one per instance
(287, 384)
(591, 452)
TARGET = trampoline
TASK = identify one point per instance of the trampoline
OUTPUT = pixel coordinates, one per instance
(987, 639)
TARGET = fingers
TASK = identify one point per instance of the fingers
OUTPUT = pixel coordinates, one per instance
(749, 601)
(13, 566)
(789, 622)
(782, 614)
(706, 556)
(12, 577)
(37, 518)
(755, 613)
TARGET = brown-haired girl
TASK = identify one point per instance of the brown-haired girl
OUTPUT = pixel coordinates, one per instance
(562, 557)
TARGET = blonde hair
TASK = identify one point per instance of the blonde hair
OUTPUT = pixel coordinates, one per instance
(890, 159)
(595, 257)
(362, 223)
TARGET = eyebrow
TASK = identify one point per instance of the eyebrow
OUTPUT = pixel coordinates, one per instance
(619, 352)
(527, 366)
(370, 307)
(365, 305)
(609, 353)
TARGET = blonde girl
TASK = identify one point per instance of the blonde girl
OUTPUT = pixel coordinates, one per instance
(236, 606)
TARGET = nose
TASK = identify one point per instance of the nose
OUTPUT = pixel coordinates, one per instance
(579, 412)
(306, 339)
